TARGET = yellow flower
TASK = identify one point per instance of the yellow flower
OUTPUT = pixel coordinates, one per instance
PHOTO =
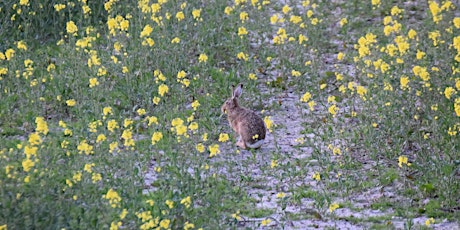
(156, 100)
(193, 126)
(361, 90)
(157, 136)
(123, 214)
(295, 73)
(176, 122)
(93, 82)
(333, 110)
(429, 221)
(404, 81)
(268, 123)
(295, 19)
(34, 139)
(266, 222)
(187, 201)
(95, 177)
(152, 120)
(340, 56)
(242, 31)
(76, 176)
(449, 91)
(141, 112)
(237, 216)
(127, 135)
(181, 74)
(88, 167)
(71, 28)
(420, 54)
(343, 21)
(42, 127)
(412, 34)
(456, 22)
(316, 176)
(286, 9)
(306, 97)
(169, 203)
(403, 160)
(200, 147)
(314, 21)
(113, 146)
(312, 104)
(29, 150)
(3, 71)
(84, 147)
(274, 19)
(242, 56)
(113, 197)
(228, 10)
(302, 39)
(100, 138)
(107, 110)
(244, 16)
(163, 89)
(146, 31)
(21, 45)
(185, 82)
(274, 163)
(280, 195)
(24, 2)
(252, 76)
(188, 226)
(101, 71)
(115, 225)
(71, 102)
(457, 106)
(68, 183)
(175, 40)
(165, 223)
(333, 207)
(9, 53)
(195, 104)
(112, 125)
(202, 58)
(396, 11)
(435, 11)
(27, 164)
(180, 16)
(204, 137)
(336, 151)
(223, 137)
(196, 13)
(86, 9)
(213, 150)
(59, 7)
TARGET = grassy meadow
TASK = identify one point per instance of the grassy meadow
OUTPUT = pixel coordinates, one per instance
(362, 100)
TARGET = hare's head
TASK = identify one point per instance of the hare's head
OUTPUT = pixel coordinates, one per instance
(232, 103)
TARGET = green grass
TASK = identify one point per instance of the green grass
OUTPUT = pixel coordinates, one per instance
(79, 110)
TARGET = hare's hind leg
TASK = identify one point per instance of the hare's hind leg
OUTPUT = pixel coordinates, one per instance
(241, 143)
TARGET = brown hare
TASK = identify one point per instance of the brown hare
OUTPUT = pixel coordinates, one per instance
(246, 123)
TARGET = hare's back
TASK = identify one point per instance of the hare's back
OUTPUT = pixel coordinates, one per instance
(253, 127)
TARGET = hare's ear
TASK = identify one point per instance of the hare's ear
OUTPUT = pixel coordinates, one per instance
(237, 91)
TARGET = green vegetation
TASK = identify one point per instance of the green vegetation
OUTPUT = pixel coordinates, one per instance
(110, 112)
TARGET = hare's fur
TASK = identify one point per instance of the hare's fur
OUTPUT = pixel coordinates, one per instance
(245, 122)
